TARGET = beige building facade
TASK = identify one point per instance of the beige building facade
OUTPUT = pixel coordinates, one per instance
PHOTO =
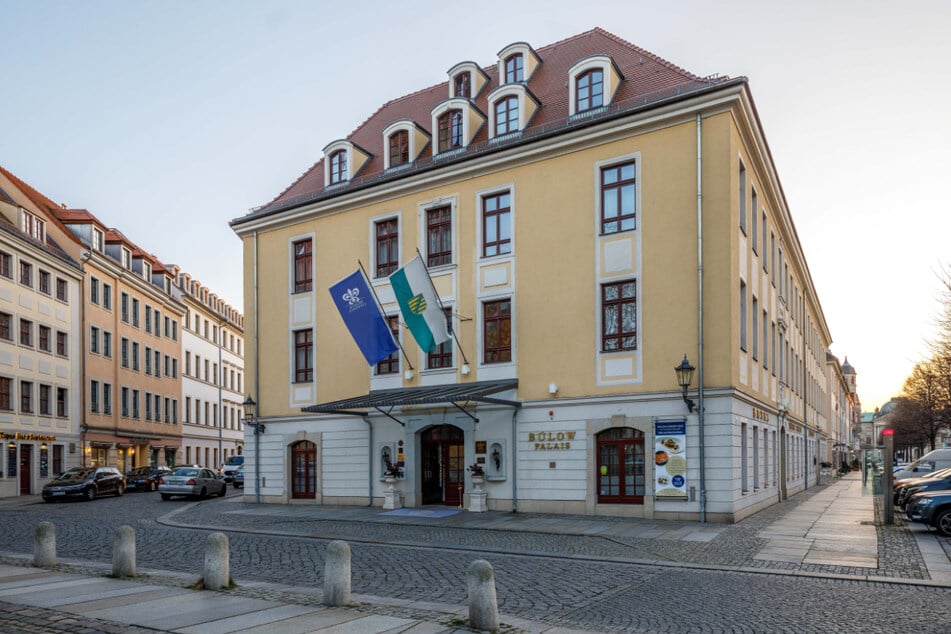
(590, 215)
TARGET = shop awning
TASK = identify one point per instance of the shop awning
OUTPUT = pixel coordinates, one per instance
(456, 394)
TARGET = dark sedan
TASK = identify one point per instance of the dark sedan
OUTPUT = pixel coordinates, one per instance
(84, 482)
(191, 481)
(932, 508)
(145, 478)
(930, 484)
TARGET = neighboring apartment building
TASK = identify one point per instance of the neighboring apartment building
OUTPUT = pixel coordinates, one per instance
(212, 376)
(588, 213)
(844, 406)
(40, 375)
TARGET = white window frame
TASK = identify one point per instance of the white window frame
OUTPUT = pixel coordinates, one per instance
(329, 151)
(595, 62)
(503, 92)
(456, 103)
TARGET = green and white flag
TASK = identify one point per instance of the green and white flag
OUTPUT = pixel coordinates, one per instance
(419, 305)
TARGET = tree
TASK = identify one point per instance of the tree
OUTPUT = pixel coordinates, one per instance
(922, 412)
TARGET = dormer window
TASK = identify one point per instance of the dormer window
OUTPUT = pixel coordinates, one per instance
(506, 115)
(399, 148)
(450, 130)
(511, 107)
(126, 259)
(33, 226)
(514, 68)
(97, 239)
(338, 167)
(466, 80)
(462, 86)
(589, 90)
(147, 271)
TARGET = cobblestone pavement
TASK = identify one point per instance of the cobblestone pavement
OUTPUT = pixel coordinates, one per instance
(580, 581)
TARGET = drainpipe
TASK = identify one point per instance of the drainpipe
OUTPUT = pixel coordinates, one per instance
(84, 380)
(514, 454)
(371, 458)
(257, 380)
(703, 488)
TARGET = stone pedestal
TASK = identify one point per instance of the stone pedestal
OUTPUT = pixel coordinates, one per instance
(477, 496)
(392, 498)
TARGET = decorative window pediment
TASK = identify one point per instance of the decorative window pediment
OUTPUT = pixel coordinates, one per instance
(517, 63)
(342, 161)
(455, 123)
(466, 80)
(511, 107)
(403, 141)
(592, 84)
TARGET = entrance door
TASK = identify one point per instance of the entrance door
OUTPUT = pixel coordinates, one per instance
(304, 470)
(443, 462)
(26, 469)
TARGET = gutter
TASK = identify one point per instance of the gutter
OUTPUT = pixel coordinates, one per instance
(703, 488)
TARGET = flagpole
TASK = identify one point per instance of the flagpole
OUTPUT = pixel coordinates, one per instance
(380, 304)
(432, 285)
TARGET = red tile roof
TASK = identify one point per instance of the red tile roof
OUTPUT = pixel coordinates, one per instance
(647, 78)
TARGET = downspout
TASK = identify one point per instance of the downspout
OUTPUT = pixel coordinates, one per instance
(84, 380)
(370, 460)
(703, 489)
(257, 375)
(805, 393)
(514, 454)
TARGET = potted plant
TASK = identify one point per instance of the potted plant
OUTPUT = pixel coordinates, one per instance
(476, 470)
(392, 472)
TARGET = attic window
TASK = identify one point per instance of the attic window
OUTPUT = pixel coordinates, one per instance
(450, 130)
(399, 148)
(126, 259)
(147, 271)
(589, 90)
(97, 239)
(338, 167)
(33, 226)
(514, 68)
(462, 85)
(592, 84)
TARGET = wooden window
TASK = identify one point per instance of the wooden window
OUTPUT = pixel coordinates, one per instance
(743, 315)
(303, 265)
(618, 198)
(621, 472)
(619, 316)
(506, 115)
(338, 167)
(61, 293)
(303, 356)
(45, 407)
(44, 279)
(441, 356)
(6, 265)
(26, 274)
(450, 130)
(514, 65)
(6, 394)
(754, 221)
(742, 196)
(26, 332)
(461, 85)
(439, 236)
(399, 148)
(497, 331)
(387, 247)
(6, 325)
(43, 338)
(496, 224)
(26, 397)
(94, 291)
(589, 90)
(304, 470)
(124, 306)
(61, 399)
(391, 364)
(107, 398)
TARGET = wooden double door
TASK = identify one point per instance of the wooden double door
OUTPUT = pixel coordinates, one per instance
(443, 461)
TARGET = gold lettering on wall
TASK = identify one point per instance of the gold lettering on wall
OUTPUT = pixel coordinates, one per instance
(551, 440)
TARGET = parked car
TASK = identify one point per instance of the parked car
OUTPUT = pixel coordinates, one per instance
(931, 461)
(238, 480)
(145, 478)
(932, 508)
(84, 482)
(902, 486)
(232, 464)
(930, 484)
(191, 481)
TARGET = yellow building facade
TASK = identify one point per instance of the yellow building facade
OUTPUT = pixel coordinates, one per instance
(590, 216)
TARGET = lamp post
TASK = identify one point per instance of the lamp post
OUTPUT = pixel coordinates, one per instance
(684, 379)
(250, 419)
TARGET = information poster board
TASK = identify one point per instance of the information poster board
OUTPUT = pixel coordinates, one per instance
(670, 459)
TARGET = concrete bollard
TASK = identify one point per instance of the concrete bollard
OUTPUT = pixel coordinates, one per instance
(123, 552)
(44, 545)
(483, 606)
(337, 574)
(217, 574)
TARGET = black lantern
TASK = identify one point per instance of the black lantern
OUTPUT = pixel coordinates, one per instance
(684, 379)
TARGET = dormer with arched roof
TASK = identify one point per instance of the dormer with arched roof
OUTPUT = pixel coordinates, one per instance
(466, 80)
(403, 142)
(517, 63)
(343, 160)
(592, 84)
(455, 122)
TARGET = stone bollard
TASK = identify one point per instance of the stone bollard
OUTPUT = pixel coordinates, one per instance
(337, 574)
(44, 545)
(217, 573)
(123, 552)
(483, 606)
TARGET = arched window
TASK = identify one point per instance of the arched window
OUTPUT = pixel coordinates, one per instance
(450, 130)
(589, 90)
(621, 470)
(338, 167)
(506, 115)
(461, 85)
(304, 470)
(514, 65)
(399, 148)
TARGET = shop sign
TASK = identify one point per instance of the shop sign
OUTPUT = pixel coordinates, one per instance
(551, 440)
(670, 462)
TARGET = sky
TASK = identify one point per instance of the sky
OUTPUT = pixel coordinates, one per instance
(169, 119)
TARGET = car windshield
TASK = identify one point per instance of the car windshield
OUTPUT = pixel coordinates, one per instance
(233, 460)
(186, 471)
(74, 475)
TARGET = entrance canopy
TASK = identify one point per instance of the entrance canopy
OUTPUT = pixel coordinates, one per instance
(456, 394)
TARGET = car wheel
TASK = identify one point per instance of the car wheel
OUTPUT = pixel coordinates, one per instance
(91, 493)
(120, 490)
(224, 489)
(942, 522)
(166, 497)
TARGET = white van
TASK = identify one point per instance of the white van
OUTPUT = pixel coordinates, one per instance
(931, 461)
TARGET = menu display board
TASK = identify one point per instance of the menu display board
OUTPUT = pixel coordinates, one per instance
(670, 461)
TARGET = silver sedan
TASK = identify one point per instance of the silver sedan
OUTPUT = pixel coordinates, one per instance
(191, 481)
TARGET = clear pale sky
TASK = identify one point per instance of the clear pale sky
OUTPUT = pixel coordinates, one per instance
(168, 119)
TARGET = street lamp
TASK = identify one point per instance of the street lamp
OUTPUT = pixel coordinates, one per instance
(250, 419)
(684, 379)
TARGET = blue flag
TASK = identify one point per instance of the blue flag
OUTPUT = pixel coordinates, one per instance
(363, 317)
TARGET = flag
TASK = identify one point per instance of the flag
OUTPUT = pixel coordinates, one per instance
(419, 305)
(363, 317)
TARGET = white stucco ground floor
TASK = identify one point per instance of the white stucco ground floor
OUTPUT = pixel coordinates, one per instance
(628, 456)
